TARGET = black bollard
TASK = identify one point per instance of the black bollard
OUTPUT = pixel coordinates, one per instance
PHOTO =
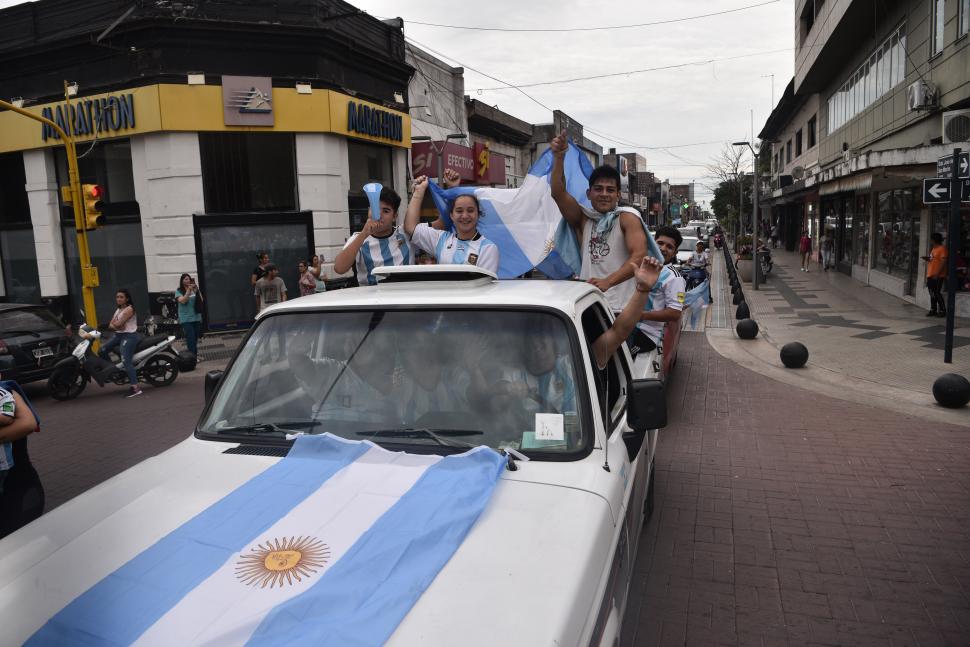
(738, 297)
(794, 354)
(952, 390)
(747, 329)
(742, 312)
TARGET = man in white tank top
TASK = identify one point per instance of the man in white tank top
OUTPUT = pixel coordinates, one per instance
(610, 237)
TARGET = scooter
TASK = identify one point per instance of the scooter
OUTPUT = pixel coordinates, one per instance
(695, 276)
(155, 361)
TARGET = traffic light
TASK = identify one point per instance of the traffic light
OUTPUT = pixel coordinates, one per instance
(92, 194)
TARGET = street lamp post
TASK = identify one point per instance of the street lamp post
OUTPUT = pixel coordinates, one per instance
(437, 151)
(754, 214)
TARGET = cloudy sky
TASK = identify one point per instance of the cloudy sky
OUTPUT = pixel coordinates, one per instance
(725, 66)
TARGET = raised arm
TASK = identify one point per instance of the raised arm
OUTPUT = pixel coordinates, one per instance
(646, 276)
(413, 215)
(568, 206)
(345, 259)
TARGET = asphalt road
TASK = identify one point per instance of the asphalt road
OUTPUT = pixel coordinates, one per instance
(86, 441)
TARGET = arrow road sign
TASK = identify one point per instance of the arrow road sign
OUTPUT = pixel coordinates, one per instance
(944, 166)
(936, 190)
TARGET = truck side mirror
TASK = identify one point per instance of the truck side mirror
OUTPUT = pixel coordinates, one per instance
(212, 379)
(646, 405)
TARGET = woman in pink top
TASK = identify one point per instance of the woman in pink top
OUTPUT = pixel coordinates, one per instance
(805, 248)
(124, 323)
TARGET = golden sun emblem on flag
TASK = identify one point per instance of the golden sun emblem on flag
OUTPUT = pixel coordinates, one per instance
(282, 561)
(549, 246)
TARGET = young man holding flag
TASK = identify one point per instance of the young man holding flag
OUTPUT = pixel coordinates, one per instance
(612, 240)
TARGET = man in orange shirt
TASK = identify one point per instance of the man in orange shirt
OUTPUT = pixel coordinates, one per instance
(936, 275)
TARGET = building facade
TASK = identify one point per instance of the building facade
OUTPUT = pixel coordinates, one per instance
(885, 89)
(217, 131)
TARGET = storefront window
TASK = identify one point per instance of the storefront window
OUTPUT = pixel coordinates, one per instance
(862, 230)
(248, 172)
(848, 207)
(898, 231)
(366, 163)
(118, 253)
(18, 256)
(107, 163)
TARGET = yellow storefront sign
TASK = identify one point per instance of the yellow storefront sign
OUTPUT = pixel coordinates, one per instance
(199, 108)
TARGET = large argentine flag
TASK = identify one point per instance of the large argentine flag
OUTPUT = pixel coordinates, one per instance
(526, 223)
(332, 545)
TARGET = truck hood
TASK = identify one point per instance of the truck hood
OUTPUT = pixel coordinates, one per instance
(528, 571)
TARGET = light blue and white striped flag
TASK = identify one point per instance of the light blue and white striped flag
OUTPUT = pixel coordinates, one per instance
(332, 545)
(697, 300)
(526, 223)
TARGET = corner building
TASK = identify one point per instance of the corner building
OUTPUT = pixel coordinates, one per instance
(218, 129)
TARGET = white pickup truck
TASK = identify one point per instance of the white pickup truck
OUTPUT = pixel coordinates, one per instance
(431, 361)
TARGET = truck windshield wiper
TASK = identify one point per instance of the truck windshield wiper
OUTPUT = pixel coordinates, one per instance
(268, 428)
(437, 435)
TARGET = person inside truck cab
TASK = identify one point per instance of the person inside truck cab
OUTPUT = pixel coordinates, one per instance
(463, 246)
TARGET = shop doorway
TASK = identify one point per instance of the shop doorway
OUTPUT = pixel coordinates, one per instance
(843, 238)
(226, 248)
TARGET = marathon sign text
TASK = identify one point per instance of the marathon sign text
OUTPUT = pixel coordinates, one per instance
(91, 116)
(365, 120)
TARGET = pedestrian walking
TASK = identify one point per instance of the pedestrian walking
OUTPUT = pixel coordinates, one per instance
(377, 244)
(270, 289)
(805, 249)
(189, 301)
(612, 239)
(307, 281)
(463, 246)
(124, 323)
(319, 274)
(774, 236)
(828, 252)
(262, 262)
(936, 275)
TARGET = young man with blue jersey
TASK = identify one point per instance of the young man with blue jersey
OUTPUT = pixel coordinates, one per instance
(666, 299)
(379, 243)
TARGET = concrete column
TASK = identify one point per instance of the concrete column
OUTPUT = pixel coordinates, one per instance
(323, 180)
(46, 220)
(167, 171)
(400, 161)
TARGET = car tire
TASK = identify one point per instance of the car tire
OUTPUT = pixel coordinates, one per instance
(66, 383)
(160, 370)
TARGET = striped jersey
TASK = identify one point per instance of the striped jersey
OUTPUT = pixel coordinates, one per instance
(394, 249)
(550, 392)
(449, 249)
(450, 393)
(668, 292)
(8, 408)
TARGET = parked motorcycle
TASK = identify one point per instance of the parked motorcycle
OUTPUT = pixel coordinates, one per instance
(156, 362)
(718, 241)
(764, 255)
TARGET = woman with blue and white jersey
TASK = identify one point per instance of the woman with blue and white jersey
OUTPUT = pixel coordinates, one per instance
(463, 246)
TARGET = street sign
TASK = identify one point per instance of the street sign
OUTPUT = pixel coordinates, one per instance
(936, 190)
(944, 166)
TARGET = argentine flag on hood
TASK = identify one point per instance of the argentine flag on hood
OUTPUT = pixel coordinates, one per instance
(330, 546)
(526, 223)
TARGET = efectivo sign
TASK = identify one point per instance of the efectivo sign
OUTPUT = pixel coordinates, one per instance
(91, 116)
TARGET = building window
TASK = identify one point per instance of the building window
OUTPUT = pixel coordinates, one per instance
(936, 26)
(812, 130)
(788, 152)
(964, 18)
(367, 163)
(897, 241)
(884, 70)
(248, 172)
(798, 143)
(862, 230)
(108, 164)
(809, 15)
(18, 256)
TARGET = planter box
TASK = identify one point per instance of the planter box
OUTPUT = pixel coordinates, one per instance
(744, 270)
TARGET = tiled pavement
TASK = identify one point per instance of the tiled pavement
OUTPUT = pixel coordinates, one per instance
(788, 518)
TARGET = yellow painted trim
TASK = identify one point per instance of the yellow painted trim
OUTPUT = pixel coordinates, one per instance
(198, 108)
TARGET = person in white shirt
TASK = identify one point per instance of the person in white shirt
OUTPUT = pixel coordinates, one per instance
(612, 240)
(699, 258)
(124, 323)
(465, 245)
(666, 299)
(377, 244)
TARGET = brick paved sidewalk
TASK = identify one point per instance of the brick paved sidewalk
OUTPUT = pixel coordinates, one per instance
(787, 518)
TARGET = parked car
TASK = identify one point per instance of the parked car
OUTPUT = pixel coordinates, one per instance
(549, 561)
(32, 341)
(687, 247)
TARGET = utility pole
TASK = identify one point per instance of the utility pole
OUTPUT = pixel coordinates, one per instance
(953, 232)
(89, 273)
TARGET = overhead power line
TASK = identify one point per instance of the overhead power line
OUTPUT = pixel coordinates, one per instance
(577, 29)
(629, 72)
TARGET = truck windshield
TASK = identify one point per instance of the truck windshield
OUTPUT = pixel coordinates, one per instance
(455, 378)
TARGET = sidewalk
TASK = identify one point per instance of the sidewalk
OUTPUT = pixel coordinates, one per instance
(864, 345)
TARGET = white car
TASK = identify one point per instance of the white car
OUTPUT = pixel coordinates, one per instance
(432, 361)
(687, 247)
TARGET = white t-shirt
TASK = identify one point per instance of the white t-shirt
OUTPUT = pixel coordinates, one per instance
(668, 292)
(699, 260)
(604, 255)
(448, 249)
(395, 249)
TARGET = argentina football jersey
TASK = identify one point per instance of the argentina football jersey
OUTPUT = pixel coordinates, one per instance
(448, 249)
(378, 252)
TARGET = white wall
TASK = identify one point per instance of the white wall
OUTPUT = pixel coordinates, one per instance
(167, 171)
(323, 180)
(45, 217)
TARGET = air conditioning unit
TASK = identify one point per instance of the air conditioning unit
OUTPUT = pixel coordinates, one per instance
(956, 126)
(920, 96)
(798, 172)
